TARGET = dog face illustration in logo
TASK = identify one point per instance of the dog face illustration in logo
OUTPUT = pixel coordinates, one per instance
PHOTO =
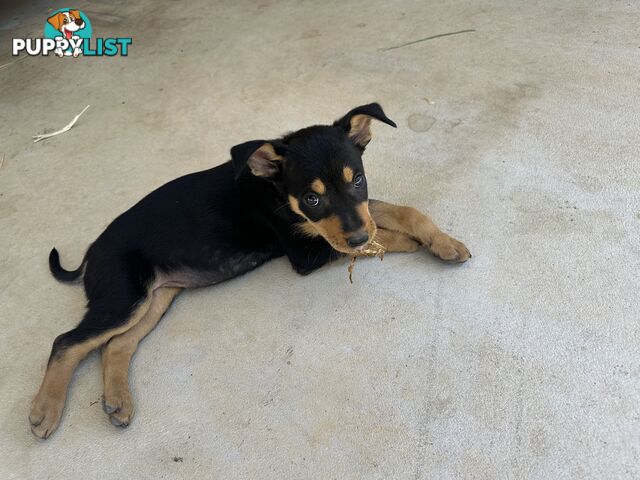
(67, 23)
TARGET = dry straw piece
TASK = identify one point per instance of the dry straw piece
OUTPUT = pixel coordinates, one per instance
(374, 249)
(37, 138)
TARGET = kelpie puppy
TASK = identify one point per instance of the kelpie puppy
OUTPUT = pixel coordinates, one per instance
(303, 195)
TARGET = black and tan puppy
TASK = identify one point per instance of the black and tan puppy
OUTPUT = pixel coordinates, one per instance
(303, 195)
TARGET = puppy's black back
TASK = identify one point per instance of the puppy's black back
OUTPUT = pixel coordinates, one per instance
(191, 222)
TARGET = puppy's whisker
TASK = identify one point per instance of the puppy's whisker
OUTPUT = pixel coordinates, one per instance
(280, 207)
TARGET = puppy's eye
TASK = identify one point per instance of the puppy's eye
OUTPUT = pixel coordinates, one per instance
(65, 20)
(358, 180)
(311, 199)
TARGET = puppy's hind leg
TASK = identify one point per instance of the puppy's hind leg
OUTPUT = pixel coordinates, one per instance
(97, 327)
(117, 353)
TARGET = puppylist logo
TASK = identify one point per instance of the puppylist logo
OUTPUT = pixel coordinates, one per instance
(67, 33)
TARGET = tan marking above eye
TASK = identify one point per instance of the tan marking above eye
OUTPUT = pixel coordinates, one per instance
(347, 174)
(318, 186)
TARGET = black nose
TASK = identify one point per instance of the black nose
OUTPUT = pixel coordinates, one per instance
(357, 239)
(79, 21)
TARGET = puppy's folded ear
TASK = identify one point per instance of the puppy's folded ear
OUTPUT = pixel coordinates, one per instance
(263, 157)
(56, 20)
(357, 122)
(75, 14)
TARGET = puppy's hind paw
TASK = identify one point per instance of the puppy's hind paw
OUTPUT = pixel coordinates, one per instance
(45, 417)
(119, 407)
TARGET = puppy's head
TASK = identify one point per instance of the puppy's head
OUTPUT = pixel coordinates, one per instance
(319, 170)
(67, 22)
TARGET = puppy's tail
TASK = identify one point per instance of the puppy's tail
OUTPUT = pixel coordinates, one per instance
(60, 273)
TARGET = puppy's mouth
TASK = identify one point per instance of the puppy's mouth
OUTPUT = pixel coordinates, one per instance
(340, 243)
(68, 34)
(337, 240)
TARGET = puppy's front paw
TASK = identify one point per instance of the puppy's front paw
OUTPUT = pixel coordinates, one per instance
(449, 249)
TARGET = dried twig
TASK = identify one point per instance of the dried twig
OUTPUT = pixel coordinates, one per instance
(374, 249)
(427, 38)
(11, 63)
(37, 138)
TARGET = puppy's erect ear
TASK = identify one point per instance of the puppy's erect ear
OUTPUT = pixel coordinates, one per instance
(264, 158)
(56, 20)
(75, 14)
(357, 122)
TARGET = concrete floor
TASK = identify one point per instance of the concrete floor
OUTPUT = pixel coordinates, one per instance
(520, 138)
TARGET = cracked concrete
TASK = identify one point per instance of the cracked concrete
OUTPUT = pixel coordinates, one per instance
(521, 364)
